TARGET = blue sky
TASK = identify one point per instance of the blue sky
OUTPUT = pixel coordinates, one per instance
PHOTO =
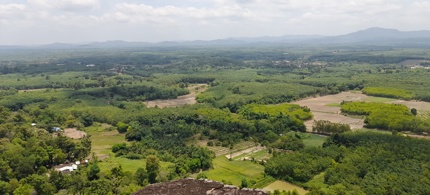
(75, 21)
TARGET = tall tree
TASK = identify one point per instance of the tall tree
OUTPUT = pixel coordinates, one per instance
(152, 167)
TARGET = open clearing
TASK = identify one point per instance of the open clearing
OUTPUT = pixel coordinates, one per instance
(102, 142)
(74, 133)
(236, 170)
(324, 108)
(181, 100)
(282, 185)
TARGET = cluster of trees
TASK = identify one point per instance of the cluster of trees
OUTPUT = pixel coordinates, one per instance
(327, 127)
(28, 154)
(234, 96)
(303, 165)
(88, 179)
(381, 164)
(167, 131)
(386, 116)
(258, 111)
(360, 163)
(133, 93)
(389, 92)
(168, 142)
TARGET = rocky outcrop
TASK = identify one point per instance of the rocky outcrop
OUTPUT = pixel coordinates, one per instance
(196, 187)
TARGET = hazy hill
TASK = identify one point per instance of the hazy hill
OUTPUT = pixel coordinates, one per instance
(371, 36)
(379, 36)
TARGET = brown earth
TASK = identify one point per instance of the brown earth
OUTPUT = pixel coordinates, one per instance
(74, 133)
(196, 187)
(180, 100)
(419, 105)
(321, 110)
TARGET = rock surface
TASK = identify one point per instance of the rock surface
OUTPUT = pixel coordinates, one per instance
(196, 187)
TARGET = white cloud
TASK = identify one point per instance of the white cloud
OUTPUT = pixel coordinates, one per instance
(67, 5)
(202, 19)
(8, 11)
(168, 15)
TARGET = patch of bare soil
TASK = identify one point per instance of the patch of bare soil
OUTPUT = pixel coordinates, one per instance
(321, 111)
(180, 100)
(74, 133)
(419, 136)
(419, 105)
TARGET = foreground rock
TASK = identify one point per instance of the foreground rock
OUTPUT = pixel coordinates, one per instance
(196, 187)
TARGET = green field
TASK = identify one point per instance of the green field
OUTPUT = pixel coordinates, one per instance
(282, 185)
(235, 171)
(313, 140)
(317, 182)
(333, 105)
(128, 165)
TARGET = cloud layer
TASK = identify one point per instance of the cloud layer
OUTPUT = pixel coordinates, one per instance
(46, 21)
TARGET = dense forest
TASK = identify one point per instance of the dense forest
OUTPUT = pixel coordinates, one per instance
(247, 98)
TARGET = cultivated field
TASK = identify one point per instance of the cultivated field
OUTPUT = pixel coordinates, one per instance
(234, 171)
(226, 151)
(323, 109)
(246, 154)
(181, 100)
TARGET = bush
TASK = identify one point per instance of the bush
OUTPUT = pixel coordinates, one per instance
(210, 143)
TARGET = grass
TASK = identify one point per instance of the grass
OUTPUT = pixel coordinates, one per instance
(282, 185)
(317, 182)
(313, 140)
(128, 165)
(102, 140)
(374, 130)
(333, 105)
(425, 115)
(235, 171)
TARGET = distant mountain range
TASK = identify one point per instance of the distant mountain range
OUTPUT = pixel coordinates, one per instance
(371, 36)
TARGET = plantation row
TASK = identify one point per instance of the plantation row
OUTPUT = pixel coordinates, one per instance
(387, 116)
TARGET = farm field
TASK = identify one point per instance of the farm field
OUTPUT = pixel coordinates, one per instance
(282, 185)
(224, 150)
(236, 170)
(322, 109)
(102, 142)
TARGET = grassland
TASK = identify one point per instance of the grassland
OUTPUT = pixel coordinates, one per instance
(313, 140)
(282, 185)
(317, 182)
(236, 170)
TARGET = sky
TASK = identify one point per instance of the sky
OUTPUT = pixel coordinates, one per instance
(30, 22)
